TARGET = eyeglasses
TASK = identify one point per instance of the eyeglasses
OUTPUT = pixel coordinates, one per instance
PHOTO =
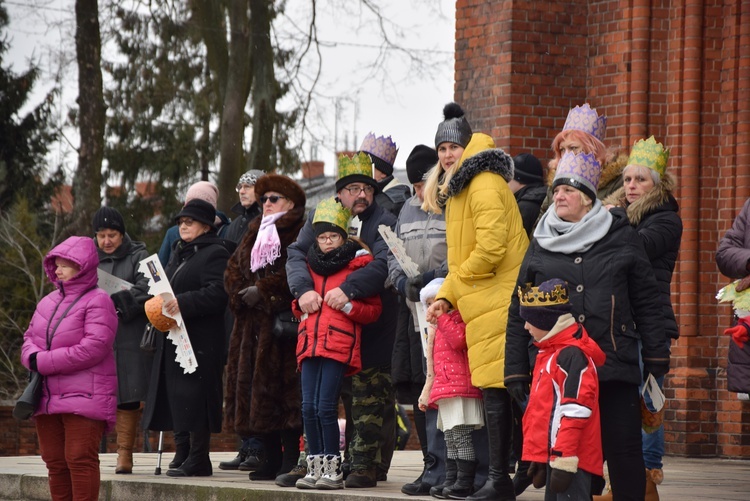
(333, 237)
(187, 221)
(273, 198)
(244, 186)
(356, 190)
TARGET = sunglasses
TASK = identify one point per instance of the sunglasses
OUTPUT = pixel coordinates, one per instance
(186, 221)
(272, 198)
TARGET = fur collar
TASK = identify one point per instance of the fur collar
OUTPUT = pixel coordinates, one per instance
(493, 160)
(660, 198)
(612, 170)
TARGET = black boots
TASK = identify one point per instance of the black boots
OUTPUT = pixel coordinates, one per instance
(464, 484)
(182, 448)
(198, 463)
(498, 418)
(235, 463)
(451, 473)
(521, 480)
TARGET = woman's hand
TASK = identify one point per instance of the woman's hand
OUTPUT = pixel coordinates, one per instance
(436, 309)
(310, 302)
(172, 307)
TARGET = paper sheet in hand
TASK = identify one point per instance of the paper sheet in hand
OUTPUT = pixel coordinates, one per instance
(111, 283)
(411, 269)
(158, 285)
(652, 388)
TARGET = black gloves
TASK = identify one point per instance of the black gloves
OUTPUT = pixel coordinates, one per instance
(413, 287)
(656, 370)
(250, 295)
(32, 362)
(519, 390)
(560, 480)
(537, 472)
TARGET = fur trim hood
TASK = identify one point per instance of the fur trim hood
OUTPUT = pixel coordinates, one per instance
(612, 170)
(659, 198)
(491, 160)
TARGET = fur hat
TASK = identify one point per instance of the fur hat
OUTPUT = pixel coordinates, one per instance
(430, 290)
(581, 171)
(280, 184)
(109, 218)
(203, 190)
(542, 306)
(382, 151)
(527, 169)
(199, 210)
(355, 169)
(455, 128)
(251, 177)
(421, 159)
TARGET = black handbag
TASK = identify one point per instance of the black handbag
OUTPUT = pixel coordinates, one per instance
(285, 325)
(27, 403)
(148, 340)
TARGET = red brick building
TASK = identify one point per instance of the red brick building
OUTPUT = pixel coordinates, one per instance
(677, 69)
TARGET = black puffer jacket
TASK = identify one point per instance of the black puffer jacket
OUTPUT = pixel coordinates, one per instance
(238, 226)
(530, 199)
(612, 289)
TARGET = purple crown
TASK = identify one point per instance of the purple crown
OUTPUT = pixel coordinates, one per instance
(380, 146)
(585, 119)
(581, 171)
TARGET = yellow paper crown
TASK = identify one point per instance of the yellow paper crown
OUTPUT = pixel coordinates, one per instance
(531, 296)
(359, 163)
(331, 211)
(649, 153)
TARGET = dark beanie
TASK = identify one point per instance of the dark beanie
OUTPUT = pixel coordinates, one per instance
(421, 159)
(199, 210)
(542, 306)
(323, 226)
(108, 218)
(528, 169)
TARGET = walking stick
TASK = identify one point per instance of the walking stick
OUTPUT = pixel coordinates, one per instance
(159, 451)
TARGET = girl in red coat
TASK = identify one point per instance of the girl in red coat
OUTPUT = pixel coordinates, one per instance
(561, 430)
(329, 340)
(448, 387)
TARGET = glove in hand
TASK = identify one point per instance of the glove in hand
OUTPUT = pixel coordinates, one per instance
(250, 295)
(656, 370)
(560, 480)
(739, 334)
(413, 287)
(537, 472)
(519, 390)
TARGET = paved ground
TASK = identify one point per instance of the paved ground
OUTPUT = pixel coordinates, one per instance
(24, 478)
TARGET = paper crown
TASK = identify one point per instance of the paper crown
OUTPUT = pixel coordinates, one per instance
(532, 296)
(649, 153)
(357, 164)
(581, 171)
(380, 146)
(331, 211)
(585, 119)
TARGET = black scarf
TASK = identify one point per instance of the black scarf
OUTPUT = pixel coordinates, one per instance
(326, 264)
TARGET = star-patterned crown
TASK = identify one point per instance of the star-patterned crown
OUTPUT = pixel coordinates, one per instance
(649, 153)
(532, 296)
(331, 211)
(581, 171)
(585, 119)
(380, 146)
(357, 164)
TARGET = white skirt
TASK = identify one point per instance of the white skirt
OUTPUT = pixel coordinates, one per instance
(460, 410)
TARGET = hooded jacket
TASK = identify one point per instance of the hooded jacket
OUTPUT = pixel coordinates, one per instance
(79, 368)
(486, 245)
(561, 422)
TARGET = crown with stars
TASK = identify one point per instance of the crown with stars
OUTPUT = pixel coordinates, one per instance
(380, 146)
(585, 119)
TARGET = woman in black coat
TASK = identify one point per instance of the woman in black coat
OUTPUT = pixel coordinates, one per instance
(612, 289)
(193, 401)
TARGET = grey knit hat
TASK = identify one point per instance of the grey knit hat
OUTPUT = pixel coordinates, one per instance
(455, 128)
(251, 177)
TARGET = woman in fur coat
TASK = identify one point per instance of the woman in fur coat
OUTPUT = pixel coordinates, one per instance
(262, 384)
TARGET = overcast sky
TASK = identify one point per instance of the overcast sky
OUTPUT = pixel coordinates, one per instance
(403, 98)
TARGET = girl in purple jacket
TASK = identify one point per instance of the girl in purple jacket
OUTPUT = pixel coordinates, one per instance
(70, 343)
(448, 387)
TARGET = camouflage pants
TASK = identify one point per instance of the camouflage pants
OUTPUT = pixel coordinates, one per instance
(373, 412)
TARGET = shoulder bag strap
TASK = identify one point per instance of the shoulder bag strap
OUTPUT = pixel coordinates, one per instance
(67, 310)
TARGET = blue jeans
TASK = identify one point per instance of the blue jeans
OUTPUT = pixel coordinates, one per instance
(653, 443)
(321, 385)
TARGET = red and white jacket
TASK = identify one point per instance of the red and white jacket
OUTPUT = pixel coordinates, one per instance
(561, 423)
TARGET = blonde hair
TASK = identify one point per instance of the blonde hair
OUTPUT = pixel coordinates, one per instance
(433, 188)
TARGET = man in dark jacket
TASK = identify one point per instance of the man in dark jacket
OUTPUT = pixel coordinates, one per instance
(373, 404)
(529, 189)
(247, 208)
(382, 151)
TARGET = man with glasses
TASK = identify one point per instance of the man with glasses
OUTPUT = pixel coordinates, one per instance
(373, 404)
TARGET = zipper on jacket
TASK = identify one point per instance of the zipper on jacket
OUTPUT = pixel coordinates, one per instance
(612, 324)
(317, 320)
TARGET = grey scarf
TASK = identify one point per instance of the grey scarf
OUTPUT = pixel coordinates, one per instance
(556, 235)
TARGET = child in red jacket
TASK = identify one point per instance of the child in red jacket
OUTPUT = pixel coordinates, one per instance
(448, 387)
(561, 430)
(328, 342)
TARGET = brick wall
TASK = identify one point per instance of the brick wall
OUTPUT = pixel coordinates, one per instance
(678, 69)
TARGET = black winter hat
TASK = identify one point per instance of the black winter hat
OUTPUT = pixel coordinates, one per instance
(108, 218)
(421, 159)
(199, 210)
(542, 306)
(455, 128)
(528, 169)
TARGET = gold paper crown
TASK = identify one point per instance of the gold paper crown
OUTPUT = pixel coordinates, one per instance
(532, 296)
(331, 211)
(649, 153)
(360, 163)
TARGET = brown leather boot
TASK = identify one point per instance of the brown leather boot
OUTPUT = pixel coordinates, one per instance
(653, 478)
(126, 425)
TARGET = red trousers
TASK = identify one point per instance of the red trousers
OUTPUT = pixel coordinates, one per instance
(70, 449)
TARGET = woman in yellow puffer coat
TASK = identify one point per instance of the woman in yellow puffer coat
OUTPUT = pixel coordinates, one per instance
(486, 245)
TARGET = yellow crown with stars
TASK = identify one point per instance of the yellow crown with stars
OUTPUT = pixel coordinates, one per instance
(649, 153)
(331, 211)
(531, 296)
(359, 163)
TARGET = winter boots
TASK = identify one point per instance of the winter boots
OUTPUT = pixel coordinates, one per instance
(653, 478)
(182, 448)
(331, 478)
(451, 473)
(314, 472)
(198, 463)
(464, 485)
(126, 426)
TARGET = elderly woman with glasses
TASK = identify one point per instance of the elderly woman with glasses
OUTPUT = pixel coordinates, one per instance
(262, 384)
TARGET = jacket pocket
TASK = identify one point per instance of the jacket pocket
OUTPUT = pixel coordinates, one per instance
(339, 340)
(302, 339)
(73, 394)
(623, 337)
